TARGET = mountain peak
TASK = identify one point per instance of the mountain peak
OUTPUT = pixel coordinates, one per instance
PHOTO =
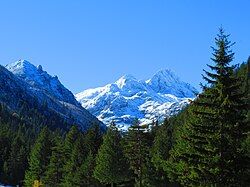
(39, 79)
(125, 79)
(165, 75)
(166, 81)
(129, 98)
(21, 82)
(20, 66)
(23, 62)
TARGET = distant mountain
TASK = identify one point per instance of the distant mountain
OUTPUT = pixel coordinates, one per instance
(128, 98)
(22, 80)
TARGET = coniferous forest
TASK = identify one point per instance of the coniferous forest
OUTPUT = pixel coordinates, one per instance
(206, 144)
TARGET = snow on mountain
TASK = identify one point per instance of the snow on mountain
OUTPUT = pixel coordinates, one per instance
(34, 81)
(128, 98)
(37, 79)
(166, 82)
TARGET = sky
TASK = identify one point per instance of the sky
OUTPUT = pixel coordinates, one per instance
(89, 44)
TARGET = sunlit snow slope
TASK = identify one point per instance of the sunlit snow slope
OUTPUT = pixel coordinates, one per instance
(128, 98)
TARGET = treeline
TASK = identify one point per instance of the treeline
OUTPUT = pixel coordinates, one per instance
(206, 144)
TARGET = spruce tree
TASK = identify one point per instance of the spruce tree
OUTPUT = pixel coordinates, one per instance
(137, 150)
(16, 164)
(86, 170)
(70, 140)
(111, 167)
(161, 147)
(54, 172)
(5, 148)
(39, 158)
(215, 129)
(93, 139)
(72, 166)
(81, 155)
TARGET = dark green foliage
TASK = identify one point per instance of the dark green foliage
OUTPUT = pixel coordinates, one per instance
(54, 171)
(86, 170)
(49, 157)
(74, 161)
(137, 150)
(39, 158)
(93, 139)
(208, 150)
(70, 140)
(111, 166)
(16, 164)
(82, 149)
(161, 147)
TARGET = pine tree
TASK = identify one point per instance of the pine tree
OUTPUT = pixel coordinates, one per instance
(79, 147)
(15, 166)
(215, 129)
(5, 148)
(161, 147)
(54, 172)
(86, 170)
(93, 139)
(70, 140)
(111, 167)
(39, 158)
(137, 150)
(72, 166)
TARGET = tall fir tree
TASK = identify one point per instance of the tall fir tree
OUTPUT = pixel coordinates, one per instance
(39, 158)
(70, 140)
(54, 171)
(137, 150)
(112, 166)
(69, 149)
(216, 127)
(93, 139)
(160, 149)
(86, 170)
(16, 164)
(72, 166)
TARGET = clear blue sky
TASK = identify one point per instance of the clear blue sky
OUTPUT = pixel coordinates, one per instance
(91, 43)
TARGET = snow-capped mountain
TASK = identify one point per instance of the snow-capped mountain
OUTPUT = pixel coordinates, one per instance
(128, 98)
(41, 80)
(48, 90)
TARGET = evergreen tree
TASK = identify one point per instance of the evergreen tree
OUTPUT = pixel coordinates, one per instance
(15, 166)
(72, 137)
(72, 166)
(86, 170)
(93, 139)
(82, 155)
(137, 150)
(54, 172)
(70, 140)
(161, 147)
(215, 129)
(5, 147)
(111, 167)
(39, 158)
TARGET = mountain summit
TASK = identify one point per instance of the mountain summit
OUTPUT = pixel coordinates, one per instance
(49, 91)
(128, 98)
(37, 78)
(167, 82)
